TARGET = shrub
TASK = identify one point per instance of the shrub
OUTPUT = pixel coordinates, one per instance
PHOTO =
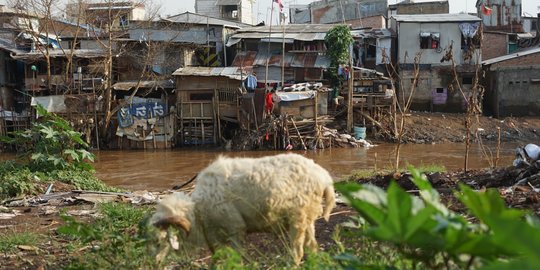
(430, 235)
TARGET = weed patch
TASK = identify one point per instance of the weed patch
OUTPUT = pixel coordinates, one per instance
(10, 241)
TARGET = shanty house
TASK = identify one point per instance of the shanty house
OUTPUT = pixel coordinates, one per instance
(302, 59)
(431, 36)
(334, 11)
(500, 15)
(204, 97)
(513, 84)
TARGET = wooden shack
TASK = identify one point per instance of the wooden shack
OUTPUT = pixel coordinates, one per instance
(206, 95)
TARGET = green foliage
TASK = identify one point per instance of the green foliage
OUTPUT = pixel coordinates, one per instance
(118, 238)
(17, 180)
(227, 259)
(338, 41)
(9, 241)
(368, 173)
(430, 235)
(51, 144)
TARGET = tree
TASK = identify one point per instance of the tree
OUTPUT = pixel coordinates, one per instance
(402, 101)
(472, 98)
(338, 41)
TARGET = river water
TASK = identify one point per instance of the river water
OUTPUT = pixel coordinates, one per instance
(158, 170)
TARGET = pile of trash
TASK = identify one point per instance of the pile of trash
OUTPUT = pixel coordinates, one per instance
(304, 87)
(528, 162)
(344, 140)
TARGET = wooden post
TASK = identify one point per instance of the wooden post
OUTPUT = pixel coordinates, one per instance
(350, 95)
(316, 109)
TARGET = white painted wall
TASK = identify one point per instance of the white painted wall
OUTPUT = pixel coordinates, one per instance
(409, 42)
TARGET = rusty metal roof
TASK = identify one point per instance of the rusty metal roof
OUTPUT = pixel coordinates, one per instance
(303, 32)
(128, 85)
(303, 59)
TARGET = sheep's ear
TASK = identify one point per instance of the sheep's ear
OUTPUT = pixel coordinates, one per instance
(175, 221)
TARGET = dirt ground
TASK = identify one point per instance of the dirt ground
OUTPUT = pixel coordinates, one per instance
(449, 127)
(423, 128)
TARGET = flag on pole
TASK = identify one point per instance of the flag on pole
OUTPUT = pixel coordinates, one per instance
(280, 4)
(486, 10)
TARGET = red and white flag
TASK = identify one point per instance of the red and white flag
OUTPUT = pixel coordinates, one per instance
(486, 10)
(280, 4)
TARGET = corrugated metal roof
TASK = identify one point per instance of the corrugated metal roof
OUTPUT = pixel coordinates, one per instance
(79, 53)
(307, 59)
(372, 33)
(278, 35)
(290, 28)
(511, 56)
(459, 17)
(244, 59)
(230, 72)
(127, 85)
(193, 18)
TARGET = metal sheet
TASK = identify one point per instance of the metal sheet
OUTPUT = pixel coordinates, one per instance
(227, 2)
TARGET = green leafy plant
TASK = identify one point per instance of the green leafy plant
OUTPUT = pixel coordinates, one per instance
(430, 235)
(117, 237)
(17, 179)
(338, 41)
(51, 144)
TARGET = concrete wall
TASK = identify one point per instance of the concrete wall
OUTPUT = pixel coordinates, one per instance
(430, 79)
(208, 8)
(515, 91)
(336, 11)
(494, 45)
(435, 7)
(409, 42)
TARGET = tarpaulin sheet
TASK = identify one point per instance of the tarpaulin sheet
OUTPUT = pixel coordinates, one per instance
(50, 103)
(292, 96)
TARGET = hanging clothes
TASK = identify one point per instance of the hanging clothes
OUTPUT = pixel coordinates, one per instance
(251, 83)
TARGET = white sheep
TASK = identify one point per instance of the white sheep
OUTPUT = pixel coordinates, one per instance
(234, 196)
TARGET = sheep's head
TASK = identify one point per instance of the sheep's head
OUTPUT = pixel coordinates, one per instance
(174, 210)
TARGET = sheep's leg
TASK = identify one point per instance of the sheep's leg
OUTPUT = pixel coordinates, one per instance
(297, 233)
(311, 242)
(231, 233)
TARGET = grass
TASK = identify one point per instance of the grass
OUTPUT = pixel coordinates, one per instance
(10, 241)
(369, 173)
(17, 180)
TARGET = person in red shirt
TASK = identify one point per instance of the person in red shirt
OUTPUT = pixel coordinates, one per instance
(269, 102)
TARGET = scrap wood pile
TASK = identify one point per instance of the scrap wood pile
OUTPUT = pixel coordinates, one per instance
(51, 202)
(286, 133)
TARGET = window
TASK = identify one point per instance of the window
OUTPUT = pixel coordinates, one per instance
(201, 96)
(466, 80)
(429, 40)
(123, 20)
(467, 42)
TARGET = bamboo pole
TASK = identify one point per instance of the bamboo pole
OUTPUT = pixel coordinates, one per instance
(268, 49)
(299, 135)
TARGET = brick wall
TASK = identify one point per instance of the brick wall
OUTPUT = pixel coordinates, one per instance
(373, 22)
(494, 45)
(527, 60)
(422, 8)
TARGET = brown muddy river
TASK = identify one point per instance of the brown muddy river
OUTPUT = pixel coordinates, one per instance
(158, 170)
